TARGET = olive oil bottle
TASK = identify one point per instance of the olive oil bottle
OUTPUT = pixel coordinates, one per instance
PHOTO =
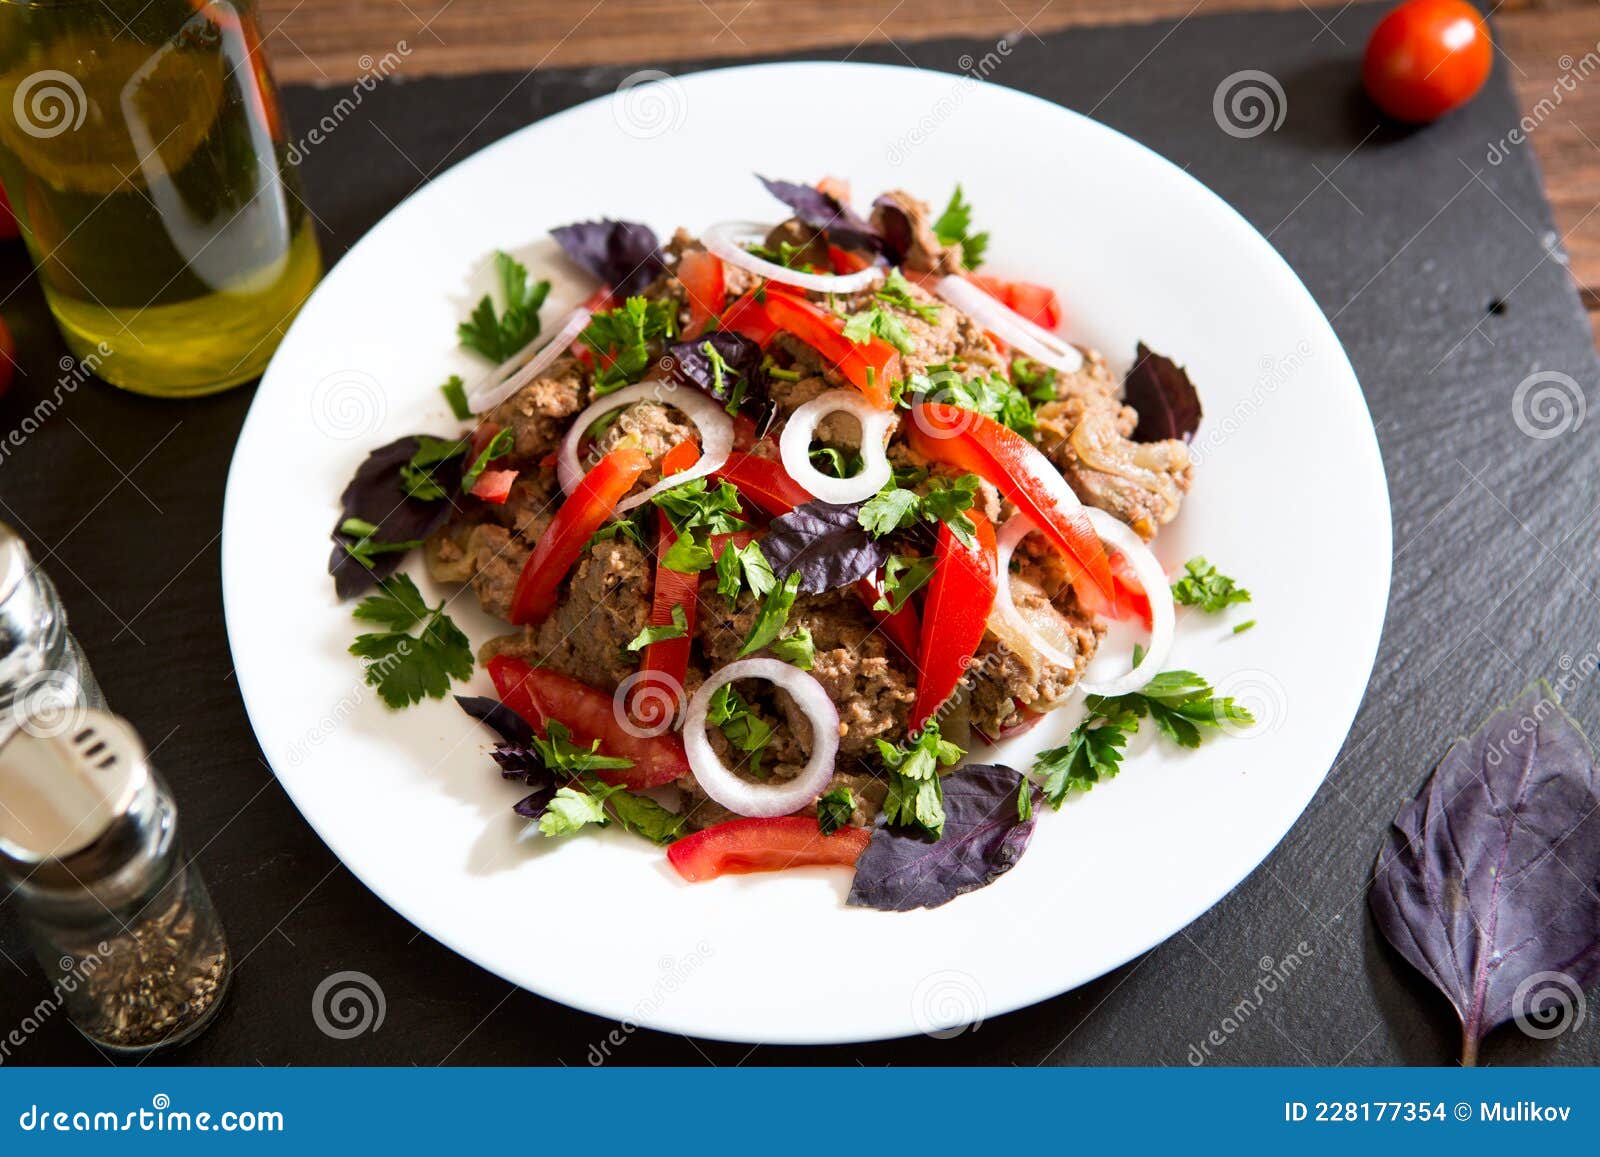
(146, 158)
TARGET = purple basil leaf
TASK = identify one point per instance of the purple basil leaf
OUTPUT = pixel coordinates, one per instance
(1487, 881)
(375, 495)
(531, 807)
(983, 839)
(1167, 402)
(817, 209)
(506, 723)
(624, 254)
(742, 374)
(825, 544)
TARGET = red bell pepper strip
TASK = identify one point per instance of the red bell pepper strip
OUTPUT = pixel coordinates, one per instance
(748, 315)
(494, 485)
(970, 441)
(678, 459)
(903, 628)
(955, 613)
(844, 261)
(596, 496)
(764, 482)
(870, 366)
(706, 284)
(666, 661)
(764, 845)
(1038, 303)
(539, 694)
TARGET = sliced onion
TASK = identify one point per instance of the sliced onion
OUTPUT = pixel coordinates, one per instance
(729, 238)
(759, 800)
(1010, 326)
(1017, 528)
(1163, 616)
(716, 434)
(507, 378)
(794, 446)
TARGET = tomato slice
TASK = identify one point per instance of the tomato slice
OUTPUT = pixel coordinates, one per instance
(903, 628)
(539, 694)
(955, 614)
(494, 485)
(764, 482)
(706, 283)
(1038, 303)
(1127, 592)
(666, 662)
(748, 315)
(596, 496)
(869, 366)
(678, 459)
(1005, 458)
(764, 845)
(844, 261)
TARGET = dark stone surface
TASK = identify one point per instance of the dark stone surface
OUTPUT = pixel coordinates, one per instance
(1405, 238)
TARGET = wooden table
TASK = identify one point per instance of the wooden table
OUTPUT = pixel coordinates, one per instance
(319, 41)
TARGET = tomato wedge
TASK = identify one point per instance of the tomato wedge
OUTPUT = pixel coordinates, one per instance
(970, 441)
(706, 283)
(764, 845)
(596, 496)
(763, 481)
(494, 485)
(1038, 303)
(955, 613)
(539, 694)
(870, 366)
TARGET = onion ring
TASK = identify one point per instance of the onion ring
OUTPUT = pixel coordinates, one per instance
(1010, 326)
(754, 799)
(727, 240)
(716, 434)
(794, 447)
(506, 378)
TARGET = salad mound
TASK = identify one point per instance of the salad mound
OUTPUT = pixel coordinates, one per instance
(785, 521)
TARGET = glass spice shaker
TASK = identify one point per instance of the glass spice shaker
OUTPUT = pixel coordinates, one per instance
(120, 920)
(44, 676)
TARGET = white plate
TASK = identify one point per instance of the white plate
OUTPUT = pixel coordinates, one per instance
(1290, 497)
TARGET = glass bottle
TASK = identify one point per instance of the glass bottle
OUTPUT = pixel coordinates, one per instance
(120, 920)
(44, 676)
(145, 156)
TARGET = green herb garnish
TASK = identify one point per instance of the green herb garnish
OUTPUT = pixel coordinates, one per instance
(419, 654)
(498, 336)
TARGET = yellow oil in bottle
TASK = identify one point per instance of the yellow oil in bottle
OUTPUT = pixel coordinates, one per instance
(145, 157)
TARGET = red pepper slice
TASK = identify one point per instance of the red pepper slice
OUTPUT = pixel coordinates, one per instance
(764, 845)
(494, 485)
(539, 694)
(666, 661)
(678, 459)
(748, 315)
(955, 613)
(1127, 592)
(706, 283)
(844, 261)
(1005, 458)
(870, 366)
(903, 627)
(596, 496)
(1038, 303)
(763, 481)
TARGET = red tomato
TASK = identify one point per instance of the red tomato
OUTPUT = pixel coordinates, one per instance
(1426, 58)
(1038, 303)
(678, 459)
(869, 366)
(494, 485)
(764, 482)
(703, 280)
(955, 612)
(8, 357)
(8, 219)
(764, 845)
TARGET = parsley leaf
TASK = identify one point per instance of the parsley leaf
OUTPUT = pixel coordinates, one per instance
(1036, 379)
(643, 816)
(834, 809)
(455, 392)
(894, 507)
(686, 555)
(417, 476)
(903, 576)
(677, 629)
(955, 225)
(890, 509)
(498, 336)
(797, 648)
(621, 339)
(405, 667)
(499, 446)
(772, 616)
(1180, 703)
(867, 324)
(741, 726)
(1093, 752)
(744, 566)
(989, 394)
(696, 512)
(896, 291)
(1204, 587)
(916, 797)
(561, 754)
(787, 254)
(572, 809)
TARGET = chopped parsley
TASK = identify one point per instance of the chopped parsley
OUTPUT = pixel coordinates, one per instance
(498, 336)
(797, 648)
(834, 809)
(677, 629)
(947, 500)
(621, 337)
(365, 548)
(836, 463)
(1205, 587)
(903, 576)
(772, 617)
(1244, 626)
(916, 797)
(955, 225)
(455, 392)
(741, 726)
(562, 755)
(1035, 379)
(417, 476)
(408, 667)
(589, 799)
(499, 446)
(875, 321)
(697, 511)
(741, 567)
(787, 254)
(1093, 752)
(896, 291)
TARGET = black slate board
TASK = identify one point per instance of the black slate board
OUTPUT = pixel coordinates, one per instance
(1404, 238)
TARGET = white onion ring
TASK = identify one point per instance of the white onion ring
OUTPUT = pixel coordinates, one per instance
(1006, 323)
(506, 378)
(1017, 528)
(727, 240)
(716, 434)
(754, 799)
(794, 447)
(1163, 615)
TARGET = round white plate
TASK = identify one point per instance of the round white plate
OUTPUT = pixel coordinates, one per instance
(1289, 497)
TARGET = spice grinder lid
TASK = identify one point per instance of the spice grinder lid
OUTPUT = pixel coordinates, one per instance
(64, 791)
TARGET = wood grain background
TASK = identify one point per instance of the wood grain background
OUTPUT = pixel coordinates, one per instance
(323, 41)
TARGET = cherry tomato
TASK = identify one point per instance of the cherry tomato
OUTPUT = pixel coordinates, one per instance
(1426, 58)
(8, 219)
